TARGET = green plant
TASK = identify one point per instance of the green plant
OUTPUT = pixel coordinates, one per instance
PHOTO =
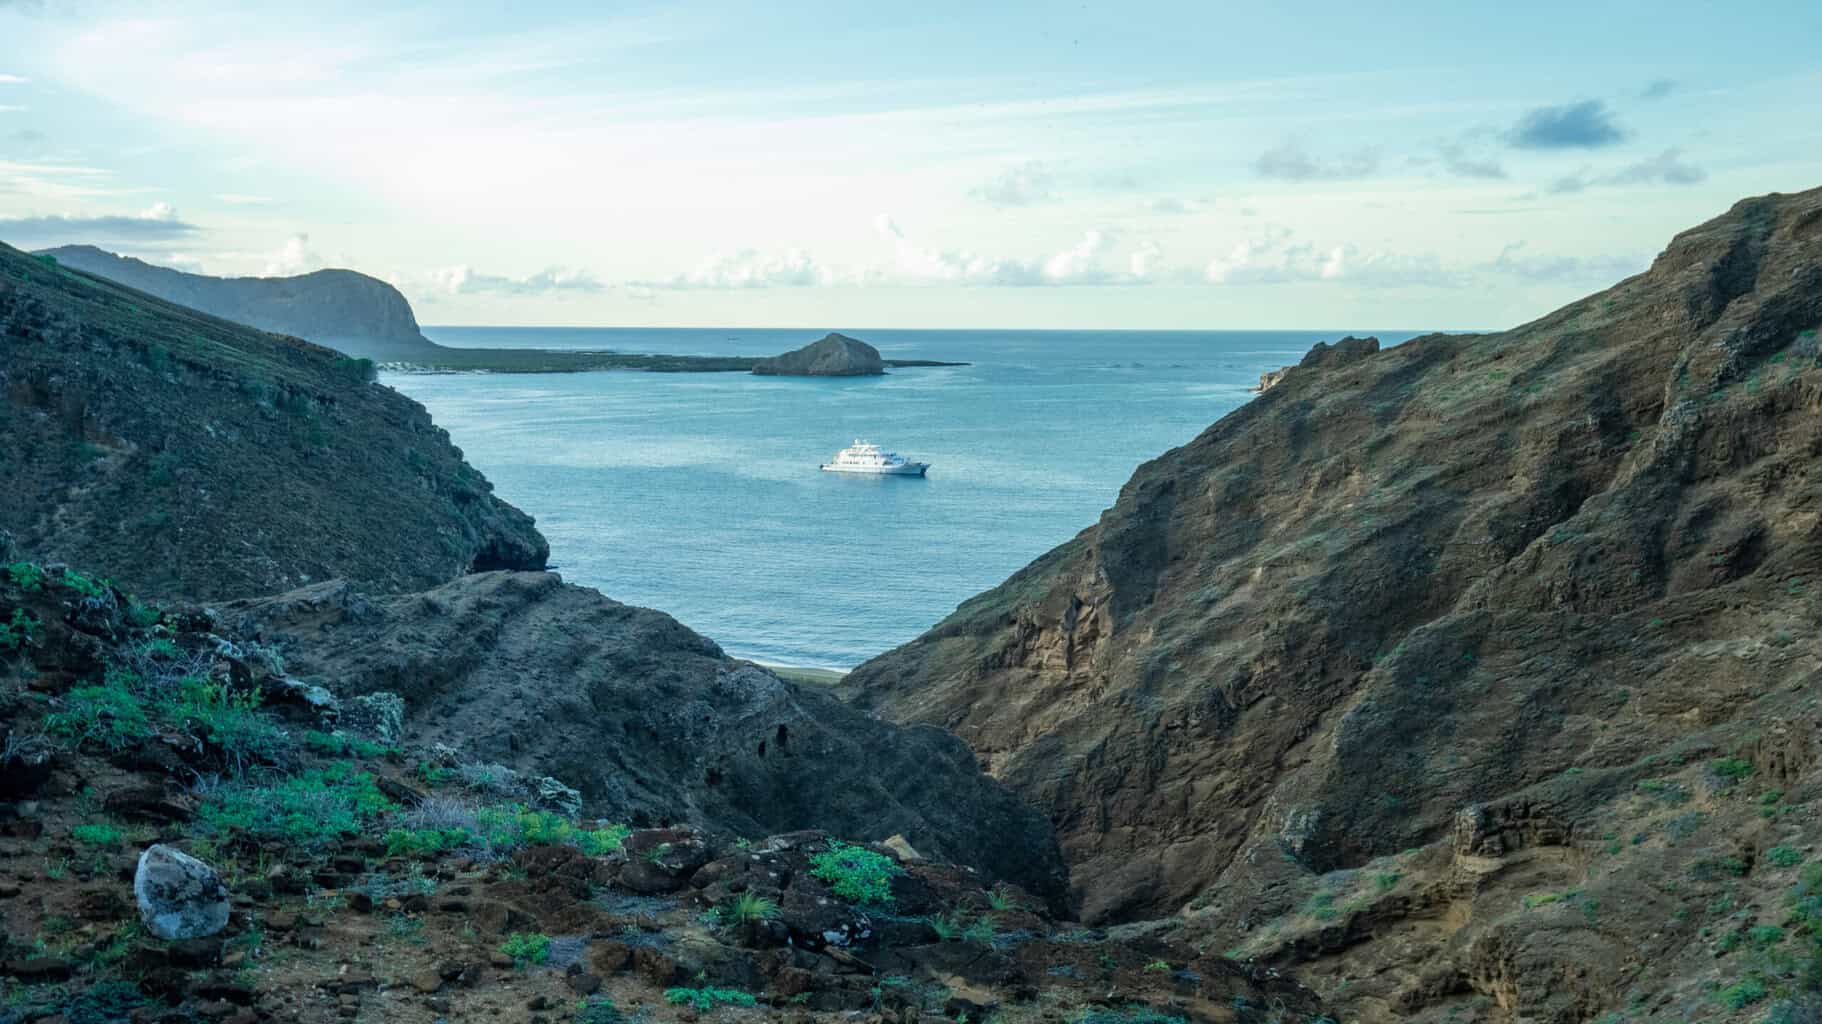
(751, 907)
(1321, 906)
(1742, 994)
(602, 841)
(82, 584)
(1385, 881)
(107, 715)
(1000, 899)
(1157, 967)
(97, 834)
(21, 630)
(312, 809)
(331, 744)
(527, 948)
(26, 576)
(855, 873)
(1766, 935)
(1732, 769)
(425, 842)
(980, 930)
(1133, 1014)
(1543, 899)
(598, 1010)
(704, 999)
(1784, 856)
(230, 723)
(947, 927)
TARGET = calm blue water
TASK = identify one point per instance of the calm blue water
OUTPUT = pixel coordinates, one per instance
(699, 494)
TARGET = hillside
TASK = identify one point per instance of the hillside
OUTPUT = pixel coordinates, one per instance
(341, 309)
(187, 455)
(1469, 678)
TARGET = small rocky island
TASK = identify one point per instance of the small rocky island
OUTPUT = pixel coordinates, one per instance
(836, 355)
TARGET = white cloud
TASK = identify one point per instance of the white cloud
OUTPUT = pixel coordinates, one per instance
(748, 268)
(1514, 262)
(1023, 185)
(294, 257)
(158, 222)
(13, 80)
(1144, 260)
(1272, 258)
(465, 280)
(1289, 161)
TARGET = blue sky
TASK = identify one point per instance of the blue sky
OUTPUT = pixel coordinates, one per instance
(1205, 165)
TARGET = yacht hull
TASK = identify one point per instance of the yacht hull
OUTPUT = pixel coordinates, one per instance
(908, 469)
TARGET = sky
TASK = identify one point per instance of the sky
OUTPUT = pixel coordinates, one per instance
(1204, 165)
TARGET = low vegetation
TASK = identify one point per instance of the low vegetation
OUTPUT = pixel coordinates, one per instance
(856, 874)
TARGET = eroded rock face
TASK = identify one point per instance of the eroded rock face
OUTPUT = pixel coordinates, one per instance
(1407, 582)
(836, 355)
(179, 896)
(650, 722)
(199, 459)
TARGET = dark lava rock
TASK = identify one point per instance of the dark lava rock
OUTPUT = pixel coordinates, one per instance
(652, 722)
(836, 355)
(186, 456)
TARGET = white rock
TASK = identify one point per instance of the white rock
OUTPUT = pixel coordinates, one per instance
(179, 896)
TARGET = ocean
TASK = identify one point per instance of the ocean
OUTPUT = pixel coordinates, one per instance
(698, 493)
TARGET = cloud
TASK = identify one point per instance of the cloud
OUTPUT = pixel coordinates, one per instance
(158, 223)
(1024, 185)
(1658, 89)
(1513, 262)
(1289, 161)
(1079, 264)
(1144, 260)
(12, 108)
(1667, 168)
(1584, 125)
(13, 80)
(1459, 162)
(748, 268)
(1272, 258)
(294, 257)
(464, 280)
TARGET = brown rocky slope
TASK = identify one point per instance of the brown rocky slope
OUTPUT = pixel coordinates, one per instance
(1472, 675)
(190, 456)
(649, 720)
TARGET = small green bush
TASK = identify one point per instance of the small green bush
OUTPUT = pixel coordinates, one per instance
(751, 907)
(855, 873)
(97, 834)
(230, 723)
(1385, 881)
(311, 809)
(332, 744)
(82, 584)
(1543, 899)
(1732, 769)
(21, 630)
(108, 716)
(26, 576)
(1784, 856)
(527, 948)
(1742, 994)
(599, 1010)
(704, 999)
(425, 842)
(948, 927)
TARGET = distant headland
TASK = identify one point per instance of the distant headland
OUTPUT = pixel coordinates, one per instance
(367, 318)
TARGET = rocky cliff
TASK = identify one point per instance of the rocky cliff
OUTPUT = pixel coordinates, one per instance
(649, 720)
(1473, 677)
(191, 456)
(835, 355)
(344, 310)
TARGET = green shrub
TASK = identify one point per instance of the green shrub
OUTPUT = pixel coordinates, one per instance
(1784, 856)
(704, 999)
(82, 584)
(1543, 899)
(751, 907)
(26, 576)
(599, 1010)
(310, 809)
(1385, 881)
(1131, 1015)
(22, 629)
(1742, 994)
(1732, 769)
(108, 716)
(1321, 906)
(948, 927)
(1766, 935)
(527, 948)
(855, 873)
(425, 842)
(333, 744)
(229, 722)
(141, 616)
(601, 841)
(97, 834)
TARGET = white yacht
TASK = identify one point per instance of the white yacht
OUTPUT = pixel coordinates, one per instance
(861, 457)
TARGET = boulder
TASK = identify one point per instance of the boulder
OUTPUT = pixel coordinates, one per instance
(836, 355)
(180, 897)
(379, 717)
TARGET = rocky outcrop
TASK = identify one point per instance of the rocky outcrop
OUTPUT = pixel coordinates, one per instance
(179, 896)
(1346, 350)
(1529, 571)
(192, 456)
(649, 720)
(344, 310)
(836, 355)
